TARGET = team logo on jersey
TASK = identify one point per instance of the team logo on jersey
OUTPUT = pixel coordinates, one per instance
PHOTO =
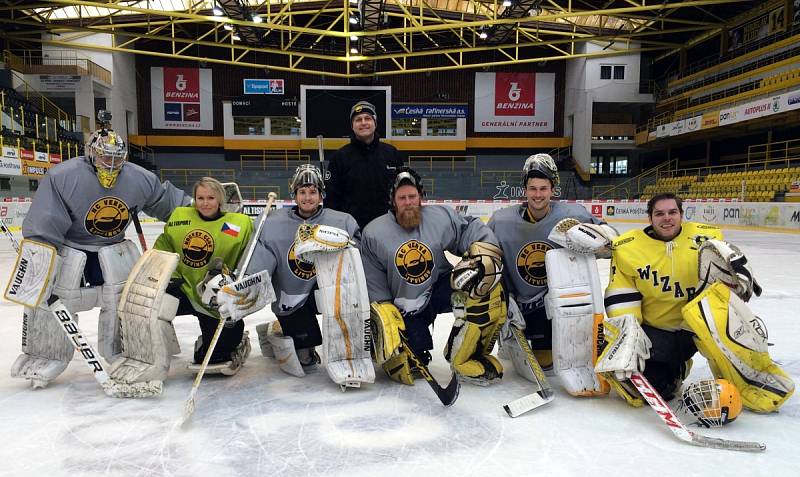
(300, 269)
(107, 217)
(530, 263)
(414, 261)
(198, 246)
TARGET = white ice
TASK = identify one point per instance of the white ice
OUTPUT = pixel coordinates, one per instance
(264, 422)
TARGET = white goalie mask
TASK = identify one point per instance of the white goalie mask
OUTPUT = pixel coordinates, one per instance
(108, 153)
(540, 165)
(306, 175)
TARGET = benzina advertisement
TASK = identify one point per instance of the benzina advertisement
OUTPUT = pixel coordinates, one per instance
(514, 102)
(181, 98)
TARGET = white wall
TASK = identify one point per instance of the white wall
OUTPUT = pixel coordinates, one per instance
(102, 58)
(123, 93)
(615, 91)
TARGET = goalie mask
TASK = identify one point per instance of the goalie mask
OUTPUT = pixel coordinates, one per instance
(714, 402)
(306, 175)
(108, 153)
(542, 166)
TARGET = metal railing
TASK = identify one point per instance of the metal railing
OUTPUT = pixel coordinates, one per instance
(451, 163)
(254, 192)
(285, 159)
(634, 186)
(782, 151)
(59, 62)
(189, 176)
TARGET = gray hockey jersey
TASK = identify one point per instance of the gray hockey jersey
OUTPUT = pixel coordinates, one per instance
(72, 208)
(525, 244)
(402, 266)
(292, 279)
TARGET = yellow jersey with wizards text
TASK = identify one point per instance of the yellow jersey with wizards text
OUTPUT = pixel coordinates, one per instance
(652, 279)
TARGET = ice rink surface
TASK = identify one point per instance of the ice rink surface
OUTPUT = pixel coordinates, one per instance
(265, 422)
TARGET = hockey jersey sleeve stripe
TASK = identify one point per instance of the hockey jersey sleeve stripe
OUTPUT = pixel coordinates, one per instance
(623, 297)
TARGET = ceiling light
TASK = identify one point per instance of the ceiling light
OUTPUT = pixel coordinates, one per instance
(257, 19)
(228, 26)
(217, 11)
(506, 3)
(235, 37)
(353, 38)
(483, 35)
(354, 50)
(353, 20)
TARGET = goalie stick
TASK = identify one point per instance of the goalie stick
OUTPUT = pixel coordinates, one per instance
(544, 395)
(669, 418)
(87, 352)
(241, 267)
(447, 395)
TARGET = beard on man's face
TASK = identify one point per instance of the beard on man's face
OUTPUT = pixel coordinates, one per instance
(410, 217)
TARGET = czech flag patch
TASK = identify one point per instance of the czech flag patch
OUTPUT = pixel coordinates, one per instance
(230, 229)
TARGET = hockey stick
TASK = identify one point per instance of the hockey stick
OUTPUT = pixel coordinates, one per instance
(138, 226)
(669, 418)
(447, 395)
(321, 149)
(544, 395)
(241, 267)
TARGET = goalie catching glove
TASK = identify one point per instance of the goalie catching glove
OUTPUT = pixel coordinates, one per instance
(479, 271)
(584, 237)
(475, 330)
(312, 238)
(720, 261)
(627, 348)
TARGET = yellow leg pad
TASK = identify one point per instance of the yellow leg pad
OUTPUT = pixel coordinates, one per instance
(734, 341)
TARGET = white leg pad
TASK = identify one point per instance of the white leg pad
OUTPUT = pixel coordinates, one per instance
(284, 352)
(574, 303)
(46, 349)
(116, 262)
(263, 340)
(343, 301)
(146, 311)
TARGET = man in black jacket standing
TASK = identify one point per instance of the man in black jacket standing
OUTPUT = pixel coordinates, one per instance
(360, 174)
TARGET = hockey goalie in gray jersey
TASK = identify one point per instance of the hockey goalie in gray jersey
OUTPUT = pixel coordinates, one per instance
(411, 281)
(82, 208)
(549, 252)
(310, 253)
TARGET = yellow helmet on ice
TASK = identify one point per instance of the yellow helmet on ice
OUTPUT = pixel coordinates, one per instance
(714, 402)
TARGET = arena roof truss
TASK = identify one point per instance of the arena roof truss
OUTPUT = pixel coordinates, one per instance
(362, 38)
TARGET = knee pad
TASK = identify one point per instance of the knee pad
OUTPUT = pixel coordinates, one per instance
(69, 278)
(574, 304)
(116, 262)
(734, 341)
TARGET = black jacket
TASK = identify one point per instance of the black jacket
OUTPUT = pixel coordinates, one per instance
(359, 178)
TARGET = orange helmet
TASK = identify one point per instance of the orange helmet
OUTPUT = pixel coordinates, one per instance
(714, 402)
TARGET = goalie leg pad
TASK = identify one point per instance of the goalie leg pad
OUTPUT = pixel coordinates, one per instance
(343, 301)
(474, 334)
(116, 262)
(574, 304)
(146, 312)
(46, 350)
(398, 368)
(284, 351)
(386, 323)
(734, 341)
